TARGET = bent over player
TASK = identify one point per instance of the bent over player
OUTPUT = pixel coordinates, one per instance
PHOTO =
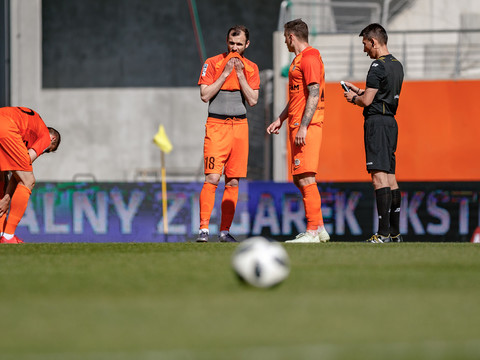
(23, 138)
(305, 114)
(226, 82)
(380, 102)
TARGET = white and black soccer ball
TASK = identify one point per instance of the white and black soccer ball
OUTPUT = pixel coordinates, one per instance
(261, 263)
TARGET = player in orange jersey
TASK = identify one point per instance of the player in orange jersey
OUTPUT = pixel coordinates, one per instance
(305, 114)
(227, 82)
(23, 138)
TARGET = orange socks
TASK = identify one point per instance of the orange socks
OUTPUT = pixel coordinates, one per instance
(229, 203)
(320, 222)
(207, 201)
(17, 207)
(313, 209)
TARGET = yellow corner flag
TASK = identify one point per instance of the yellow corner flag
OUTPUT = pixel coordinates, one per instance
(162, 140)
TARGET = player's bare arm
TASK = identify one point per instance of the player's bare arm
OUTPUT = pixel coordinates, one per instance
(5, 201)
(33, 155)
(4, 204)
(274, 127)
(310, 107)
(10, 189)
(363, 100)
(250, 95)
(207, 92)
(354, 88)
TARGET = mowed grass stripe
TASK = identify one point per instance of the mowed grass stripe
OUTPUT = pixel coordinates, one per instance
(135, 300)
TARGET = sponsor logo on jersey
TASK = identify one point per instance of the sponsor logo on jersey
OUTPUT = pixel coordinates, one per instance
(369, 163)
(204, 70)
(374, 64)
(294, 87)
(297, 162)
(396, 96)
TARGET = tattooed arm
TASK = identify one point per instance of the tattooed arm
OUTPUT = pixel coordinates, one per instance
(310, 107)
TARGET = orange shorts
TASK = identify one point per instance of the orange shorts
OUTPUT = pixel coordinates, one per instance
(13, 152)
(304, 159)
(225, 148)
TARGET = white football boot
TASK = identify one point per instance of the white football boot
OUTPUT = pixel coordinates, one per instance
(304, 238)
(323, 236)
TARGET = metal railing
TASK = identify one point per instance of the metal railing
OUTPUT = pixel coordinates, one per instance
(334, 16)
(436, 54)
(330, 16)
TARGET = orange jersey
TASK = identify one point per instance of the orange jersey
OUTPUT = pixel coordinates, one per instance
(31, 127)
(214, 66)
(307, 68)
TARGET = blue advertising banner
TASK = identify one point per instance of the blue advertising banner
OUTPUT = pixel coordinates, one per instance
(132, 212)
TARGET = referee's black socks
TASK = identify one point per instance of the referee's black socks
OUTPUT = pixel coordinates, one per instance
(384, 203)
(395, 212)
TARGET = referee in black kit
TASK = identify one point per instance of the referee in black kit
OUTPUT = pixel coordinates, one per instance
(380, 102)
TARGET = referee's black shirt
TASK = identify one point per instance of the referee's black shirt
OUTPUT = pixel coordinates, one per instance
(386, 75)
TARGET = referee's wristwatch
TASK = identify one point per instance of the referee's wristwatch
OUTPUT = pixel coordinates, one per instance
(353, 99)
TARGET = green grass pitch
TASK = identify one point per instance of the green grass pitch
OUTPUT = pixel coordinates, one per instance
(182, 301)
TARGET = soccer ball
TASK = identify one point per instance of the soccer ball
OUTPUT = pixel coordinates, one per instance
(261, 263)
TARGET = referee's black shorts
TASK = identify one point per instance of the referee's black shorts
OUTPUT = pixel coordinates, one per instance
(380, 139)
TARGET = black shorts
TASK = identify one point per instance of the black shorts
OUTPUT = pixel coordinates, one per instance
(380, 140)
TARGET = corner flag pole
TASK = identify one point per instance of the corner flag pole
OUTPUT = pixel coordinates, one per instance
(164, 194)
(162, 141)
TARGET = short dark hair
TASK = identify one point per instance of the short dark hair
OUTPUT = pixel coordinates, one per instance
(237, 29)
(56, 142)
(297, 27)
(375, 31)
